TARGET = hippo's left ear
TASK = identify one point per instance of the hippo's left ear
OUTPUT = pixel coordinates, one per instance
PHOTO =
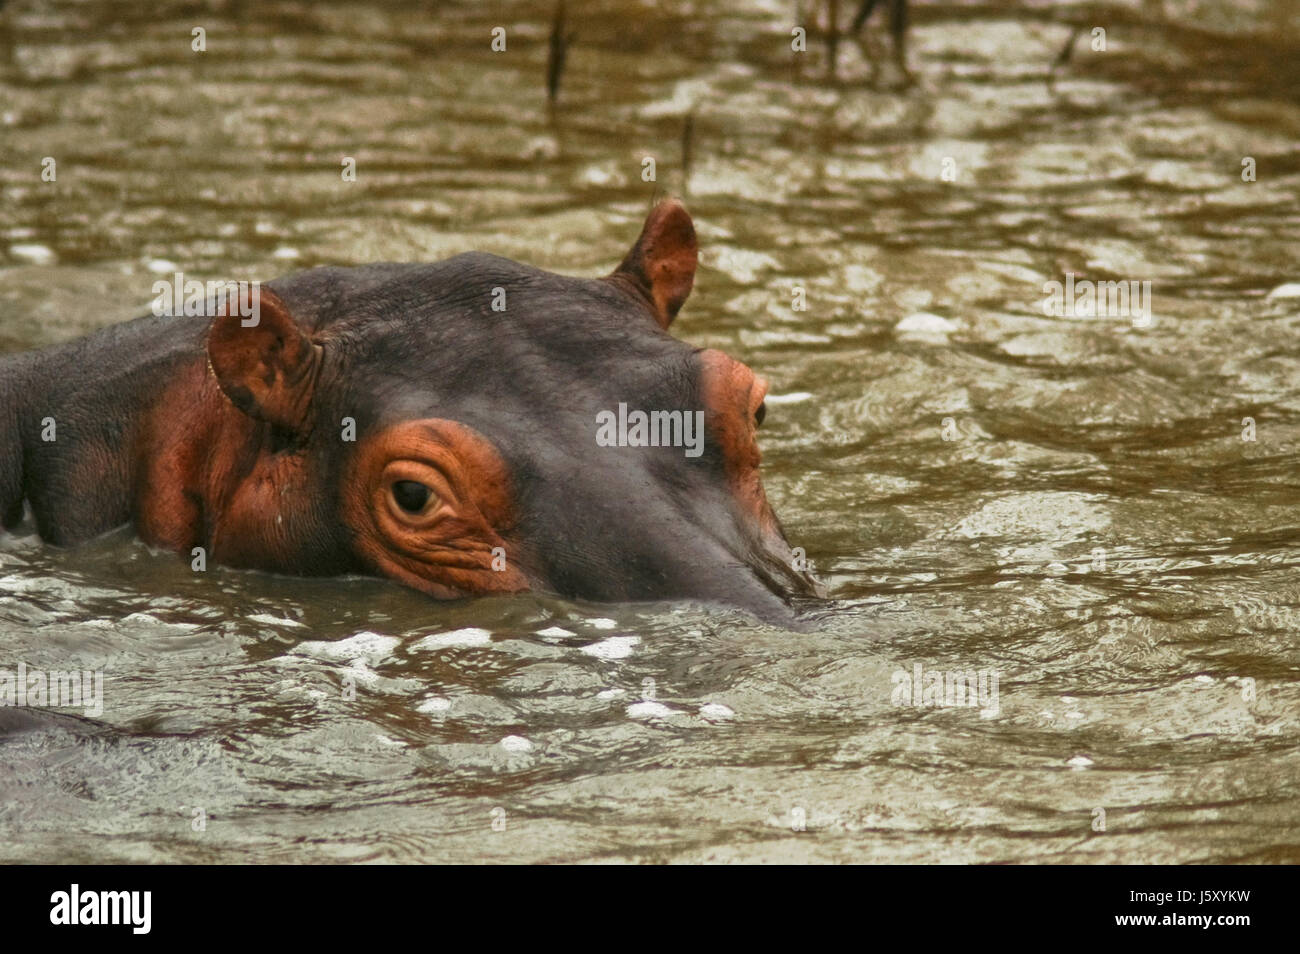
(267, 367)
(661, 265)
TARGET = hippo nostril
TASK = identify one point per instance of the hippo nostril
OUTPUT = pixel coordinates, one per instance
(760, 414)
(410, 495)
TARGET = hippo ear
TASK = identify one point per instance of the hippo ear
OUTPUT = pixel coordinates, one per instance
(263, 361)
(661, 265)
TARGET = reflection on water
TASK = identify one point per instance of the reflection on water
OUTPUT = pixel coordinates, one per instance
(1071, 502)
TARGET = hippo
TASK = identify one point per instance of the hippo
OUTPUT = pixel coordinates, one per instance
(472, 426)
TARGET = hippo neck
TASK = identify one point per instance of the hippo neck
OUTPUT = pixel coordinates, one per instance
(70, 418)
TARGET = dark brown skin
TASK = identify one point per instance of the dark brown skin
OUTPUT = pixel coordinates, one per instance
(473, 467)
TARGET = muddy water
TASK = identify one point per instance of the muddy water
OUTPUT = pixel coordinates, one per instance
(1068, 503)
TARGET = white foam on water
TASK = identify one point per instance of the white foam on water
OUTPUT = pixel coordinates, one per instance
(650, 710)
(794, 397)
(616, 647)
(366, 646)
(924, 323)
(33, 254)
(555, 632)
(458, 638)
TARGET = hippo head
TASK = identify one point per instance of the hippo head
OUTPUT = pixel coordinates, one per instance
(478, 426)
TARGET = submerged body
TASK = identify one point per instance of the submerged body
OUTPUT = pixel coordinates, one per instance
(446, 425)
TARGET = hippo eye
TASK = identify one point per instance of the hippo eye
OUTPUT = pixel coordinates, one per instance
(760, 414)
(410, 495)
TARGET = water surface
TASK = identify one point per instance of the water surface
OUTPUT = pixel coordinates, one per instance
(1066, 501)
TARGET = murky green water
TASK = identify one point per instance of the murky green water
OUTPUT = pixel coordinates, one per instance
(1090, 524)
